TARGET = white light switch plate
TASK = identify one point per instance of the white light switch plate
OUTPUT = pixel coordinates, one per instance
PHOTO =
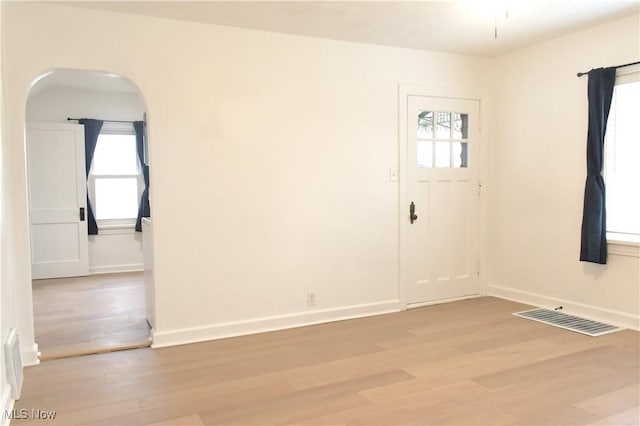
(393, 175)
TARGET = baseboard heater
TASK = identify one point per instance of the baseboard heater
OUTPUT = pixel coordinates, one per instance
(568, 322)
(13, 361)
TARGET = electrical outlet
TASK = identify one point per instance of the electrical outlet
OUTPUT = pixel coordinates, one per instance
(311, 298)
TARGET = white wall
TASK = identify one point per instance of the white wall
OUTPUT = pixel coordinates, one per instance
(270, 157)
(4, 287)
(110, 251)
(8, 316)
(539, 170)
(57, 104)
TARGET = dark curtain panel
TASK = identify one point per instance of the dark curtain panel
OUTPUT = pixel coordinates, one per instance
(143, 210)
(91, 132)
(594, 219)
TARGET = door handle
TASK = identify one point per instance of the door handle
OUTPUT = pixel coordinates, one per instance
(412, 212)
(81, 214)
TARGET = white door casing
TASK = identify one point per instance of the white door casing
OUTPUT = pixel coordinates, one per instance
(439, 174)
(57, 200)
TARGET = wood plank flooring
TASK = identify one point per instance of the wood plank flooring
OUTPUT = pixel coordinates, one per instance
(84, 315)
(463, 363)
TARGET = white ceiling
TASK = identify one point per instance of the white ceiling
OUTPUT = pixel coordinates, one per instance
(465, 26)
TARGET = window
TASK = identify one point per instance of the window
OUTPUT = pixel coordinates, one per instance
(115, 180)
(622, 153)
(445, 144)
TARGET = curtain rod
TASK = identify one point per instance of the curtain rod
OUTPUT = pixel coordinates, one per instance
(110, 121)
(580, 74)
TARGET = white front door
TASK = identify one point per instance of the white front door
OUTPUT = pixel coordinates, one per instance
(439, 222)
(57, 200)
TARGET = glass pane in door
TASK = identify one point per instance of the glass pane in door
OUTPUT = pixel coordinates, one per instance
(460, 154)
(425, 154)
(425, 125)
(443, 125)
(443, 154)
(460, 126)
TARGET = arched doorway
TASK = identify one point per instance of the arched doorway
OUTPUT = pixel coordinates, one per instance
(89, 290)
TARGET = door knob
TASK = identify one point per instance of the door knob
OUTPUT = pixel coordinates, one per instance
(412, 212)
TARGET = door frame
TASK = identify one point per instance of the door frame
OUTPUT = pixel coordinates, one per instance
(404, 91)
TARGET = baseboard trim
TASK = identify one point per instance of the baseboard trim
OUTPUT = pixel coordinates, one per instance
(110, 269)
(617, 318)
(6, 404)
(31, 356)
(441, 301)
(261, 325)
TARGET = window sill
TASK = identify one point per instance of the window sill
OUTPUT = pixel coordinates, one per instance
(116, 229)
(623, 244)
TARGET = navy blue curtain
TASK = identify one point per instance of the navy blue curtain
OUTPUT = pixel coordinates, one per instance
(593, 246)
(91, 132)
(143, 210)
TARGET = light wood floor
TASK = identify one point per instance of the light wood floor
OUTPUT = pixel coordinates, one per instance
(87, 315)
(464, 363)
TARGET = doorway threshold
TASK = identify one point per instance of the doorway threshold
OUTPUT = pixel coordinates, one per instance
(61, 353)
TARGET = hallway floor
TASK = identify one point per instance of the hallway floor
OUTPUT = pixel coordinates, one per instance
(85, 315)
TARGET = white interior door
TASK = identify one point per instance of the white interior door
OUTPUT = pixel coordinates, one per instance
(440, 243)
(57, 200)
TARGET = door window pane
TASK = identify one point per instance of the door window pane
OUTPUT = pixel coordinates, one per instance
(425, 125)
(116, 198)
(460, 154)
(425, 154)
(460, 126)
(443, 154)
(442, 139)
(443, 125)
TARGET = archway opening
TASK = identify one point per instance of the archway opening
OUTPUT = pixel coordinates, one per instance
(88, 190)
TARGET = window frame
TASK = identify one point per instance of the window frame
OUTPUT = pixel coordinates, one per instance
(123, 225)
(624, 244)
(433, 140)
